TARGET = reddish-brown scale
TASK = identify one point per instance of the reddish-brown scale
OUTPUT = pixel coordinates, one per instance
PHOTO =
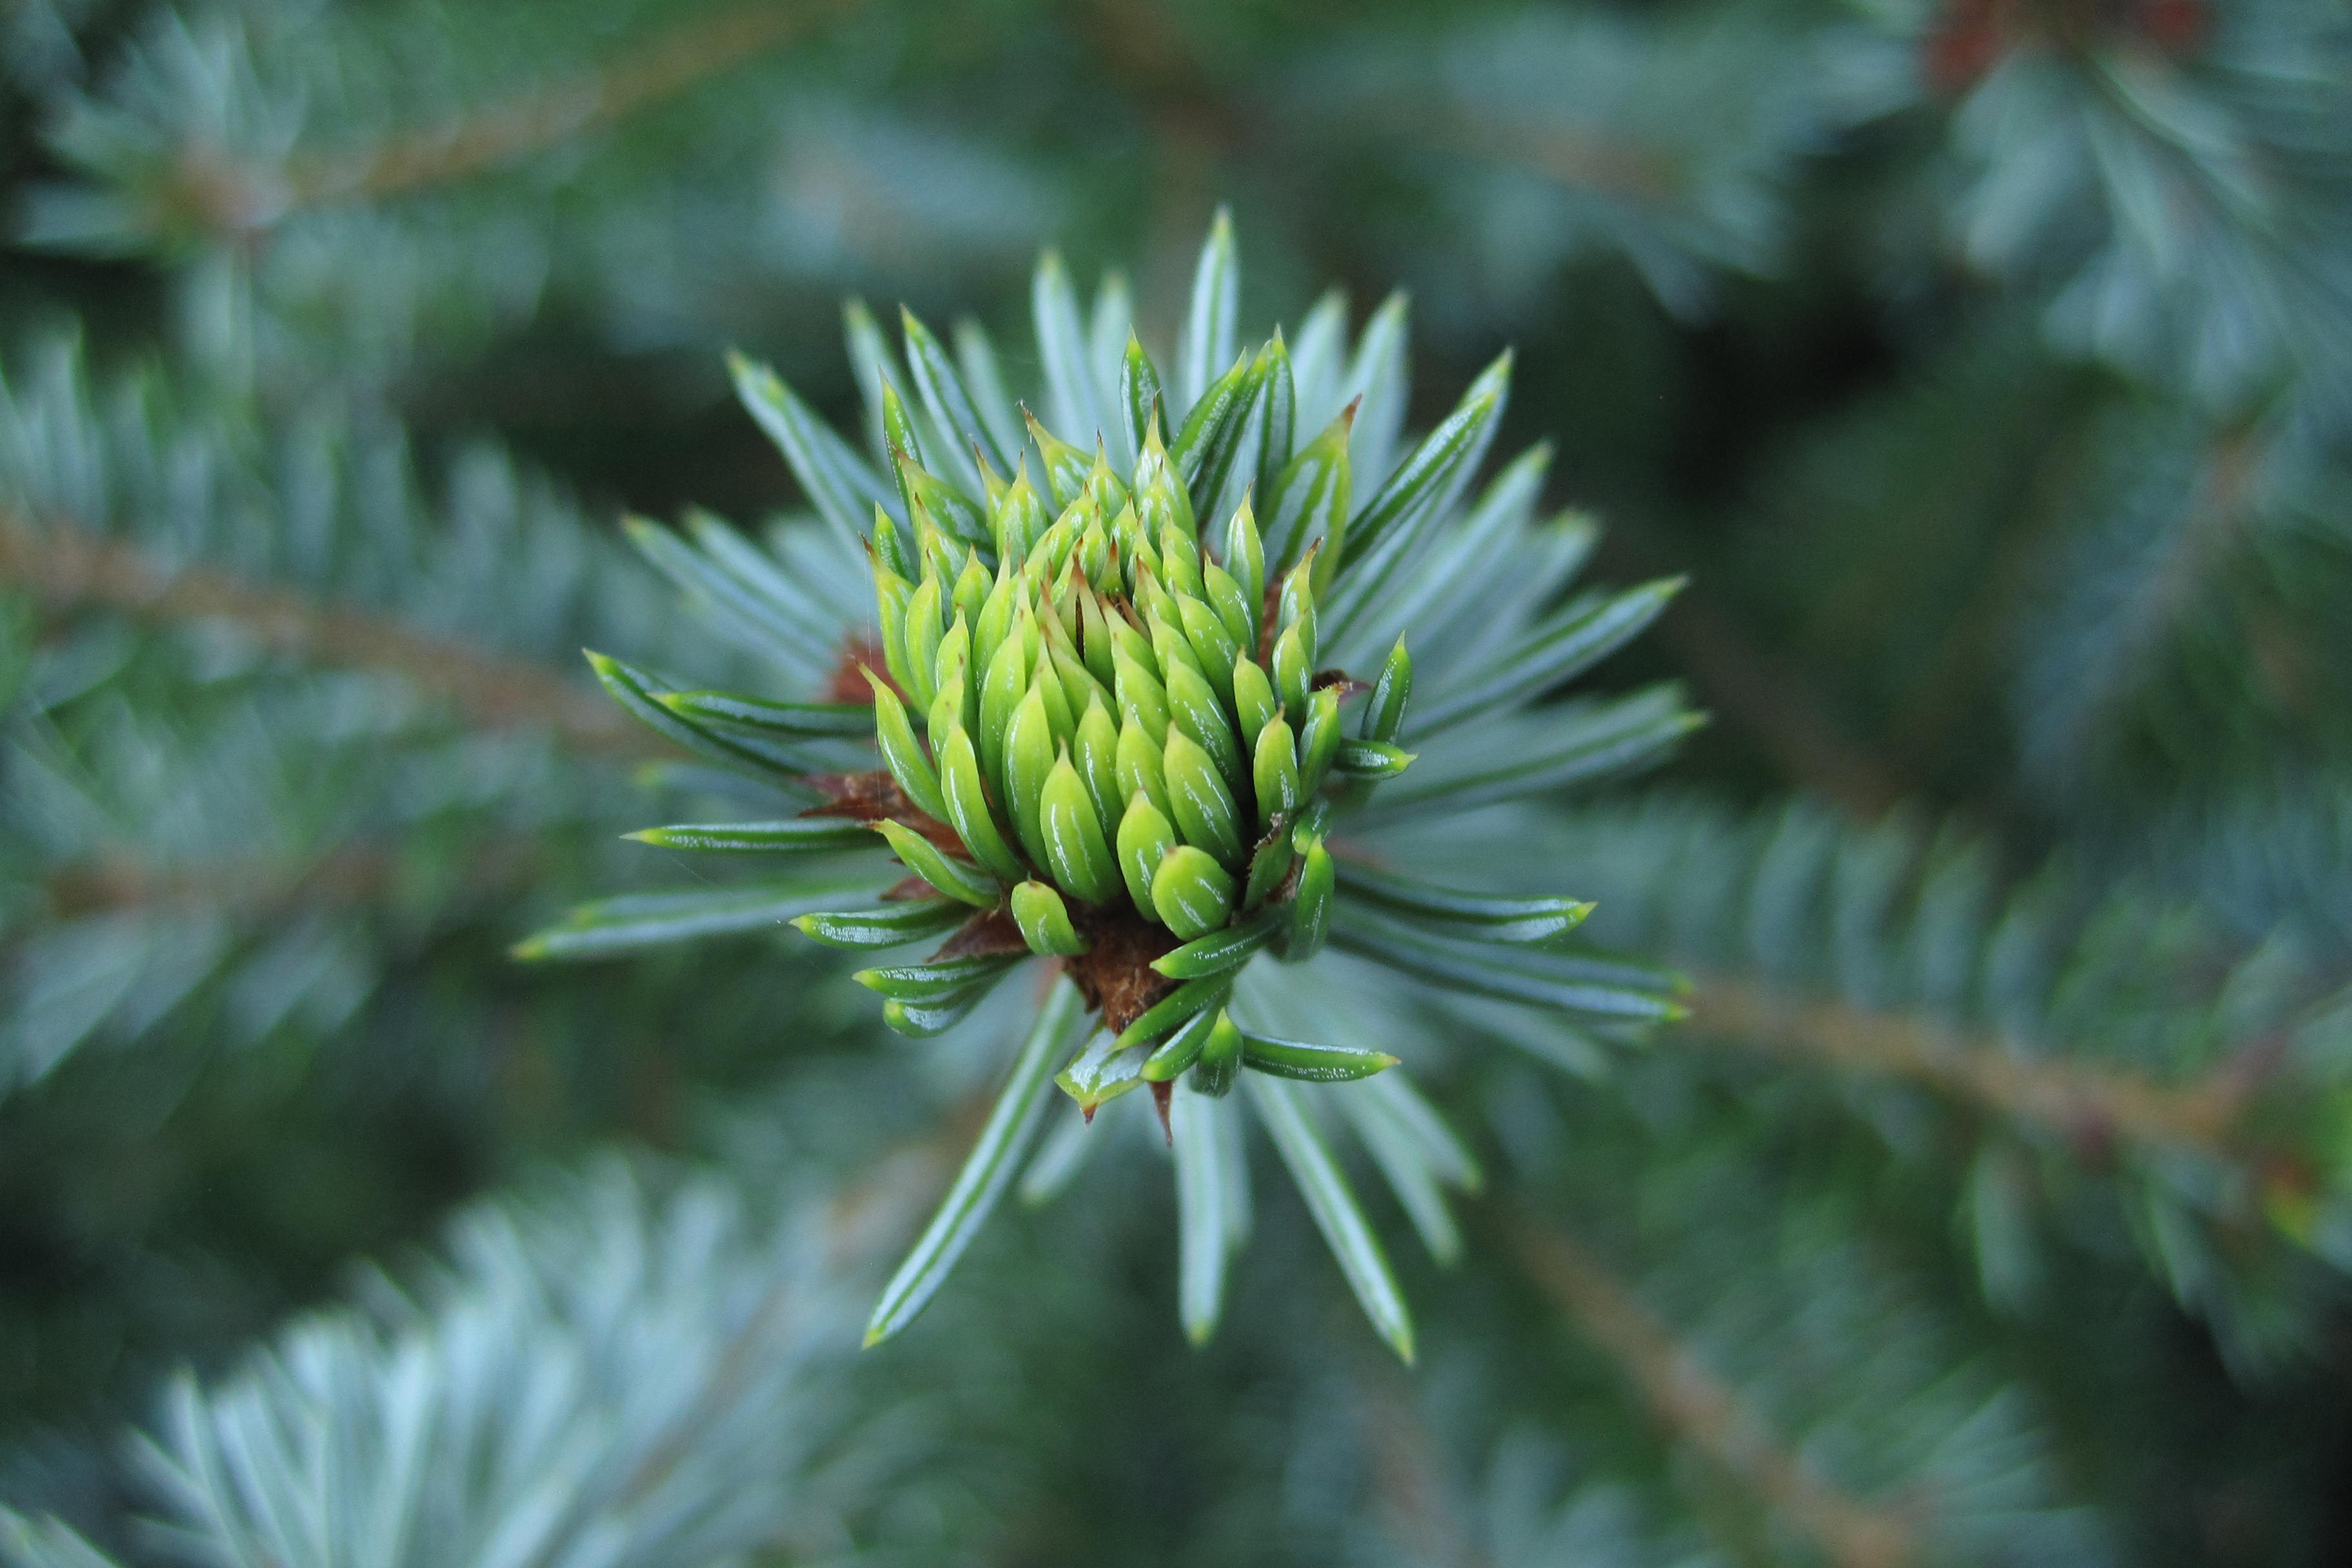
(989, 931)
(1115, 975)
(872, 796)
(1161, 1094)
(848, 683)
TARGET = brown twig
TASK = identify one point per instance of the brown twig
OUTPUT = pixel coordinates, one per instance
(1410, 1476)
(1697, 1408)
(112, 884)
(2078, 1098)
(263, 888)
(213, 191)
(637, 77)
(67, 568)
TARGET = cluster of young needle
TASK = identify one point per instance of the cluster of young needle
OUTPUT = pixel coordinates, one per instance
(1120, 724)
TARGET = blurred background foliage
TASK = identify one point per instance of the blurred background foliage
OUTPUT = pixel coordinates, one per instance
(1987, 363)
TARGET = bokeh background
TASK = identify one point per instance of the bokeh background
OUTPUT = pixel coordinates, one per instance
(1987, 364)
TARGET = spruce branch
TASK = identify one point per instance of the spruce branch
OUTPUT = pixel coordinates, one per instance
(206, 843)
(318, 535)
(692, 1344)
(115, 883)
(2080, 1100)
(2179, 213)
(635, 77)
(1697, 1407)
(644, 1371)
(232, 194)
(258, 888)
(2111, 1014)
(1881, 949)
(68, 569)
(1832, 1379)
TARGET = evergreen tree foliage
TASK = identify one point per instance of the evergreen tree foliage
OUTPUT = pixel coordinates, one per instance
(1935, 1147)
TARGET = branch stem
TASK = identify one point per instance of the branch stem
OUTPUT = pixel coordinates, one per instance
(2074, 1097)
(1697, 1408)
(639, 75)
(69, 568)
